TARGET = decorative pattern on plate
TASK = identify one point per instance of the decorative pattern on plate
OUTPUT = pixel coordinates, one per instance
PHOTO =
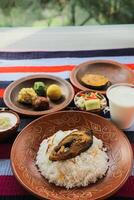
(27, 143)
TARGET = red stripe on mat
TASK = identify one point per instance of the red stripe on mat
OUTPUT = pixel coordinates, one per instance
(36, 69)
(62, 68)
(1, 92)
(9, 187)
(6, 148)
(131, 66)
(127, 189)
(5, 151)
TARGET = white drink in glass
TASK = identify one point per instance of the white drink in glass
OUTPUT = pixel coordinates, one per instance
(121, 103)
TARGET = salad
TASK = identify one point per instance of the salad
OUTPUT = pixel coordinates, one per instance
(89, 101)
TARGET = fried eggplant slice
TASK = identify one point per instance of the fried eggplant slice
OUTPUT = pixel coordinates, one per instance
(95, 81)
(72, 145)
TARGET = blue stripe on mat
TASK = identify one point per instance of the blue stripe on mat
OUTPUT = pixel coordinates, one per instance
(4, 84)
(5, 167)
(2, 104)
(61, 54)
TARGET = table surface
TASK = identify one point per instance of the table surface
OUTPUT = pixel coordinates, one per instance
(67, 38)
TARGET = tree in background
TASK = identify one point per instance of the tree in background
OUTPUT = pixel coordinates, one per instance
(65, 12)
(109, 11)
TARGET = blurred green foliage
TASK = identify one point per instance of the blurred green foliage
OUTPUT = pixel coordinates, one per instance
(45, 13)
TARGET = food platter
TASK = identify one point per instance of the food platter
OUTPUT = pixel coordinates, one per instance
(26, 145)
(12, 91)
(114, 71)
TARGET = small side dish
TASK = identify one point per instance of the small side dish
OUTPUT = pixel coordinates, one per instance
(72, 158)
(95, 81)
(40, 103)
(9, 122)
(90, 101)
(54, 92)
(39, 85)
(27, 95)
(40, 88)
(40, 95)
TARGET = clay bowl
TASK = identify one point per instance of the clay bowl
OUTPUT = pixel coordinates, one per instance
(26, 145)
(11, 94)
(10, 132)
(114, 71)
(97, 111)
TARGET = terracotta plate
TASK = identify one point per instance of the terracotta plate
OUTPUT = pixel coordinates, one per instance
(11, 94)
(114, 71)
(26, 145)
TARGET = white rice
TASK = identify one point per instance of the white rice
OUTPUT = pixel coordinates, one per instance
(82, 170)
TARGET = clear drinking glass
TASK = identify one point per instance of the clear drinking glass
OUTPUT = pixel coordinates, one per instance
(121, 104)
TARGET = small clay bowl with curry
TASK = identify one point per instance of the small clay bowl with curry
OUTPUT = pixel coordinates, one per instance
(98, 75)
(9, 122)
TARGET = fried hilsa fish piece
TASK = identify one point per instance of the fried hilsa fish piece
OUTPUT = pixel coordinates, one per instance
(72, 145)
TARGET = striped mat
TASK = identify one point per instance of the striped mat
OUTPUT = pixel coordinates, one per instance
(15, 65)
